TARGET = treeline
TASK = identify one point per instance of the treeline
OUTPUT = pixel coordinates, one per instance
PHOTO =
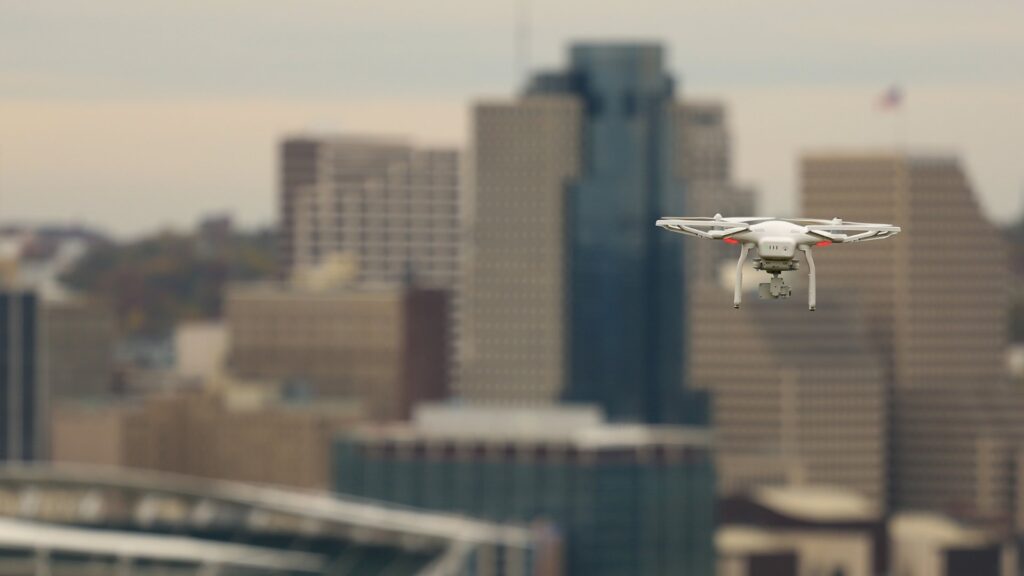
(153, 283)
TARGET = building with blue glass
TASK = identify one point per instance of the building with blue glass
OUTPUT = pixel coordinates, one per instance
(627, 499)
(574, 295)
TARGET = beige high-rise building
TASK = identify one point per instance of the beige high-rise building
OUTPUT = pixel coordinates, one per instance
(937, 296)
(513, 347)
(386, 346)
(797, 398)
(394, 206)
(935, 300)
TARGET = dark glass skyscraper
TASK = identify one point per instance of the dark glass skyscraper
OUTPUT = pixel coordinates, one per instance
(624, 285)
(20, 401)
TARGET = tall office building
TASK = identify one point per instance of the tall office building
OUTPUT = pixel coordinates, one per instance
(937, 296)
(574, 292)
(23, 403)
(395, 207)
(513, 332)
(629, 499)
(798, 399)
(935, 300)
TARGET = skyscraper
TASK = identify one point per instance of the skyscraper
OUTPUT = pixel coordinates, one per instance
(575, 294)
(935, 300)
(394, 207)
(22, 403)
(513, 331)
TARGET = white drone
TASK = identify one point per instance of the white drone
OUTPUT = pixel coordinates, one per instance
(777, 241)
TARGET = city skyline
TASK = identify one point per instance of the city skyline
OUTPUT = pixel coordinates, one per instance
(171, 112)
(376, 288)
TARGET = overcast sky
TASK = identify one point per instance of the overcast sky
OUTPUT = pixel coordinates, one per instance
(136, 115)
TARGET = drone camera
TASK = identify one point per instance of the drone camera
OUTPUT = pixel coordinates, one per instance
(774, 289)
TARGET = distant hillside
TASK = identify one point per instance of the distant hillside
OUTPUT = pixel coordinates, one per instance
(155, 282)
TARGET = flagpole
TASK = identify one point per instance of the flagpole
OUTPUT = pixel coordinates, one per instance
(892, 101)
(901, 127)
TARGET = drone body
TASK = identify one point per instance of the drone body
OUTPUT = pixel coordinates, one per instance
(777, 240)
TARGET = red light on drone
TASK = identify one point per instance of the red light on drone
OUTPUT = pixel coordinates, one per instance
(824, 243)
(730, 241)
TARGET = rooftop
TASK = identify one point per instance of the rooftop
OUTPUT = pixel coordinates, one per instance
(21, 534)
(817, 503)
(581, 426)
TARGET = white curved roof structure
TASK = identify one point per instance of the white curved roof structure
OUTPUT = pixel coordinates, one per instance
(43, 502)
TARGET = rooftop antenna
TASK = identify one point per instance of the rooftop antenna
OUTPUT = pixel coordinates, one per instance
(522, 37)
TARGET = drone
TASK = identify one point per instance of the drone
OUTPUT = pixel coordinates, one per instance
(777, 241)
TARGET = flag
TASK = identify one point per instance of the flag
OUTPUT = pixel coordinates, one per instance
(891, 99)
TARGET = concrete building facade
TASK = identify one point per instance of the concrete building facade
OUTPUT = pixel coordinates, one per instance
(797, 399)
(384, 346)
(394, 206)
(205, 435)
(513, 332)
(935, 300)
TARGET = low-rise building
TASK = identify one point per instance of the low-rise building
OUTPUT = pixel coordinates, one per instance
(806, 530)
(629, 499)
(384, 345)
(233, 435)
(929, 544)
(200, 349)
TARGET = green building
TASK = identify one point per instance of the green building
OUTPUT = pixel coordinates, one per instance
(629, 499)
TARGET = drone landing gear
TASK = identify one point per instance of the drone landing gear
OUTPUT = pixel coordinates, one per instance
(811, 296)
(776, 288)
(738, 288)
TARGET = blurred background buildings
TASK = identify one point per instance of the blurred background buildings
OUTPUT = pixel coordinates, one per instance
(489, 361)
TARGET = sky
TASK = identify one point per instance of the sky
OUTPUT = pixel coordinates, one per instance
(133, 116)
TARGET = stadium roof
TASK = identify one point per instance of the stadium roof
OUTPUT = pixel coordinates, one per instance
(147, 503)
(20, 534)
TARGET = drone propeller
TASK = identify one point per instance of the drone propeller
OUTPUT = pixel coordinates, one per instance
(715, 228)
(864, 231)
